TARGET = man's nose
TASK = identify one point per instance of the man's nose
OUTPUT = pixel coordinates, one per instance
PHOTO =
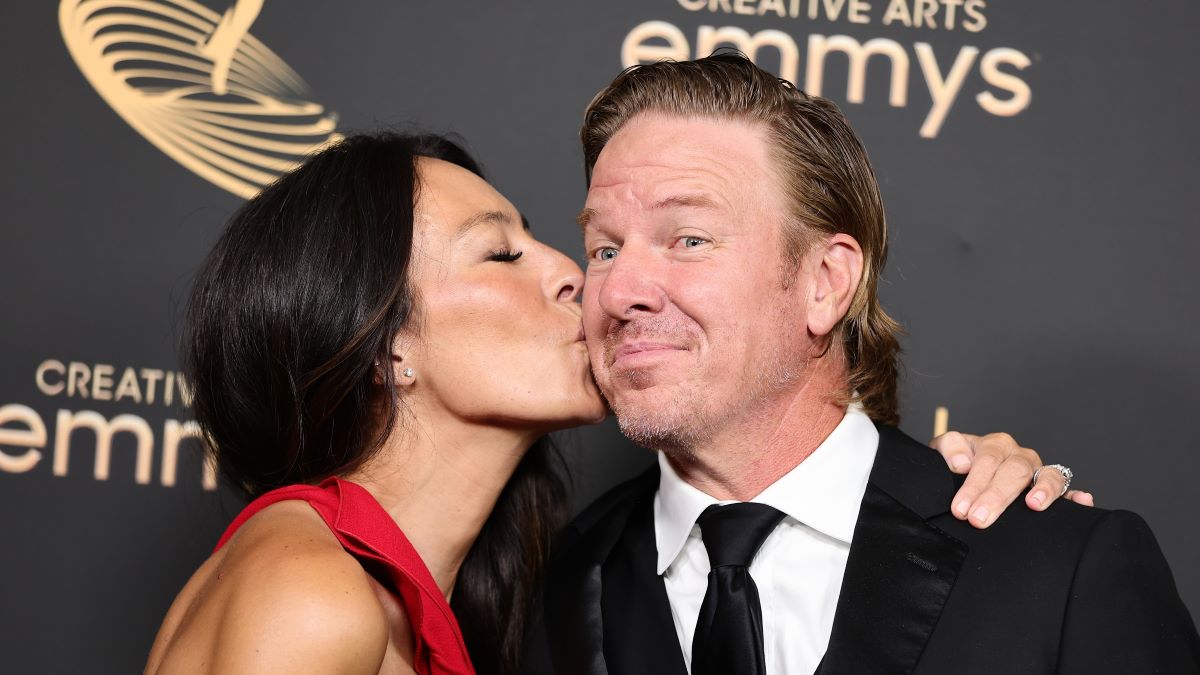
(632, 285)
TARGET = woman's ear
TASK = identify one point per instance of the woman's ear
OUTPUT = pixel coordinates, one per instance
(405, 376)
(403, 358)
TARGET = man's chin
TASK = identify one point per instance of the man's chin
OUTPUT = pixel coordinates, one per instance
(625, 395)
(639, 381)
(655, 427)
(645, 404)
(644, 393)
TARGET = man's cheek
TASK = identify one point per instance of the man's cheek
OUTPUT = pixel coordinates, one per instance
(697, 294)
(593, 317)
(596, 358)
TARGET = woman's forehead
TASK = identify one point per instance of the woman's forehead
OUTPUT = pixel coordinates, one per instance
(451, 197)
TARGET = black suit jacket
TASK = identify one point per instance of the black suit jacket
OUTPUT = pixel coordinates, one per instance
(1070, 590)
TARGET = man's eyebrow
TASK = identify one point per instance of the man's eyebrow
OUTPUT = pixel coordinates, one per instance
(499, 217)
(585, 216)
(695, 201)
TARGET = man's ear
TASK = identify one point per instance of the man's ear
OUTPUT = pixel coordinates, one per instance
(837, 268)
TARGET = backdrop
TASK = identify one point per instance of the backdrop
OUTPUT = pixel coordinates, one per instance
(1037, 161)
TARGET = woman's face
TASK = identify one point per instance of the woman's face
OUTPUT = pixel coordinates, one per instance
(498, 338)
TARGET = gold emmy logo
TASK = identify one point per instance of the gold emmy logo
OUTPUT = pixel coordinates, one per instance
(198, 86)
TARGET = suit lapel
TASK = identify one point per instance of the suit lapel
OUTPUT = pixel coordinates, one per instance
(639, 633)
(576, 619)
(900, 569)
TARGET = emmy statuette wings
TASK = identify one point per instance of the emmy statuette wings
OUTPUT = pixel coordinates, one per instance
(198, 86)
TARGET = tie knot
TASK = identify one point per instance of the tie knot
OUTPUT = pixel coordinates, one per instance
(732, 533)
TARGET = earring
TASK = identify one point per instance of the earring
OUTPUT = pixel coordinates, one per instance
(408, 372)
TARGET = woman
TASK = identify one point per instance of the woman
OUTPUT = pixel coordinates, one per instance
(379, 331)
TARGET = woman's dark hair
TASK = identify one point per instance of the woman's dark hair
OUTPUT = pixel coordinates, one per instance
(295, 306)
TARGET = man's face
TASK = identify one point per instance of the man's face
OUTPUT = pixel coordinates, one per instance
(689, 324)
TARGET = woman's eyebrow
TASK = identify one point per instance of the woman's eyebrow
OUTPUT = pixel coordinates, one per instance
(497, 217)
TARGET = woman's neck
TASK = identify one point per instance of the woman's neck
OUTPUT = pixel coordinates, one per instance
(439, 480)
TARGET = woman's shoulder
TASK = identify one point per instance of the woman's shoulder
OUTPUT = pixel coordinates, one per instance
(284, 595)
(289, 582)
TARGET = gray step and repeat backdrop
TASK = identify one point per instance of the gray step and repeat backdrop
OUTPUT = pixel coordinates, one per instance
(1037, 159)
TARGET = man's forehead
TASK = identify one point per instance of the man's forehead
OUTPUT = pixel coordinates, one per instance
(650, 178)
(658, 162)
(706, 151)
(683, 199)
(659, 187)
(668, 140)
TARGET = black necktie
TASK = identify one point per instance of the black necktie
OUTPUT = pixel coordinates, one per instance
(729, 632)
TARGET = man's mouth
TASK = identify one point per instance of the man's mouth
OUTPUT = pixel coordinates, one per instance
(633, 353)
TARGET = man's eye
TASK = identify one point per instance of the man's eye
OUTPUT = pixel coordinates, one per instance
(692, 242)
(605, 253)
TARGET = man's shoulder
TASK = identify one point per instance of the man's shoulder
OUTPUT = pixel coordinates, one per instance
(917, 477)
(1058, 539)
(1089, 584)
(591, 535)
(562, 635)
(1071, 573)
(615, 504)
(1064, 521)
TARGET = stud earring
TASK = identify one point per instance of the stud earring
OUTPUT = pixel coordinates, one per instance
(408, 372)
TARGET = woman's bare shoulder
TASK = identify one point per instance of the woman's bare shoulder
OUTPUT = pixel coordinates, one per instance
(285, 597)
(297, 602)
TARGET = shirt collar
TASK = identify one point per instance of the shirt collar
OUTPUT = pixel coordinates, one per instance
(824, 491)
(676, 508)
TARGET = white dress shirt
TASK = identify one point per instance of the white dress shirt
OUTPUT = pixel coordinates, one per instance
(799, 568)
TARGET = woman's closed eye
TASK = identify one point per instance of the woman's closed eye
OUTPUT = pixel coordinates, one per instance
(505, 255)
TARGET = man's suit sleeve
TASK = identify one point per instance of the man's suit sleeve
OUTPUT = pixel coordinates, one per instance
(1124, 614)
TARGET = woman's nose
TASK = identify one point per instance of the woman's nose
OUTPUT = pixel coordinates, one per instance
(570, 285)
(567, 279)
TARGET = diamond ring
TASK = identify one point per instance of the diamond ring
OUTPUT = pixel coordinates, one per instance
(1066, 474)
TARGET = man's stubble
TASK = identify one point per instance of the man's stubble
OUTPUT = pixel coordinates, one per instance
(688, 417)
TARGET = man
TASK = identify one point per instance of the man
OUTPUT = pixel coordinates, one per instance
(735, 235)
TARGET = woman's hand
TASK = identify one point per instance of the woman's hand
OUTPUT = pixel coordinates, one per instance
(998, 470)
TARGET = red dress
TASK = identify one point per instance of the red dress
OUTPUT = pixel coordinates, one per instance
(368, 533)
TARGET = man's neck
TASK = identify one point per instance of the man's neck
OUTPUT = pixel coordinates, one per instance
(751, 453)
